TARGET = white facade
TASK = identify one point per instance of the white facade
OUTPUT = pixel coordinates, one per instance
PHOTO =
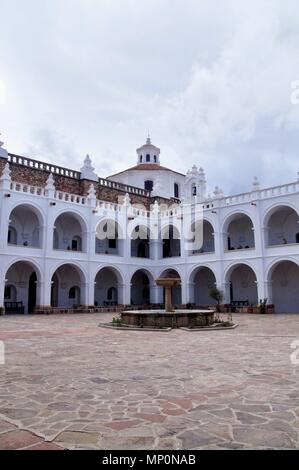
(50, 254)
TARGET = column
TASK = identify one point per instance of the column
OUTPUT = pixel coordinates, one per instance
(156, 250)
(190, 292)
(2, 287)
(156, 294)
(226, 292)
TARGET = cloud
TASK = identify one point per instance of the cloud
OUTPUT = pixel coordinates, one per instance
(211, 81)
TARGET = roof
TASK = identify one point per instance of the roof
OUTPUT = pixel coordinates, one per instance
(146, 166)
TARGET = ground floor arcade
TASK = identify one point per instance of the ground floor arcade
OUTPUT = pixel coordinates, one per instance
(69, 285)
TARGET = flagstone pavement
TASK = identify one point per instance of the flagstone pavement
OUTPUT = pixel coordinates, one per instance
(66, 383)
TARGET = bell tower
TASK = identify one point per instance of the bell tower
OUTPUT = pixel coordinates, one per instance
(148, 153)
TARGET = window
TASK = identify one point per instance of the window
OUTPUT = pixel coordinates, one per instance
(193, 190)
(140, 159)
(297, 237)
(155, 158)
(176, 190)
(148, 185)
(148, 158)
(72, 293)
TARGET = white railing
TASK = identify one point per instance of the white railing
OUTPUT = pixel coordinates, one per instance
(109, 206)
(68, 197)
(27, 188)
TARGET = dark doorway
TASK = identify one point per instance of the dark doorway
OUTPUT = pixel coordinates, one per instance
(32, 292)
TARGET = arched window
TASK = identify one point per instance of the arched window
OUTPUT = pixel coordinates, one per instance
(155, 158)
(193, 190)
(148, 157)
(140, 159)
(176, 190)
(148, 185)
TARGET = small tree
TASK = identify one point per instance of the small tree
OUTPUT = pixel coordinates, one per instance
(217, 295)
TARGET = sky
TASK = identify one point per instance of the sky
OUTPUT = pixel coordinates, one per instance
(211, 81)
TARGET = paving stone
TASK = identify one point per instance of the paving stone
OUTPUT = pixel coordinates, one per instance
(78, 437)
(17, 440)
(146, 389)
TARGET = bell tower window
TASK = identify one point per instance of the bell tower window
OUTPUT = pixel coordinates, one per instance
(148, 185)
(140, 159)
(176, 190)
(148, 157)
(155, 158)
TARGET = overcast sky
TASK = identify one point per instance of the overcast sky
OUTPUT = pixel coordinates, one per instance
(211, 81)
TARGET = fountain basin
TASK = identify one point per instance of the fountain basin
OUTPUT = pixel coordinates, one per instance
(162, 319)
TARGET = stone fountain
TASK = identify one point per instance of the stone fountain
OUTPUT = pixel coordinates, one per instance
(168, 318)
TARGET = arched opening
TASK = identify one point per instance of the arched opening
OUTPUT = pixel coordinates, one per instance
(20, 292)
(243, 285)
(171, 242)
(140, 287)
(202, 281)
(282, 226)
(202, 238)
(176, 190)
(284, 279)
(68, 233)
(240, 232)
(68, 287)
(108, 287)
(176, 291)
(140, 240)
(109, 240)
(24, 227)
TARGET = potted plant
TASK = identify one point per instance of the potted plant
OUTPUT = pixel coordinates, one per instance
(217, 295)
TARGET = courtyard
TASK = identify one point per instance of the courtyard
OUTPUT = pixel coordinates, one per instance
(68, 384)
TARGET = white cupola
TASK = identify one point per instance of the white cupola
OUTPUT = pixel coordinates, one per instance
(148, 153)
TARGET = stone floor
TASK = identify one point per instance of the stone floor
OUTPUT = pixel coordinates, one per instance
(69, 384)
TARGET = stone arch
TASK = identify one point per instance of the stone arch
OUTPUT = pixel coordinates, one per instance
(202, 279)
(109, 238)
(241, 281)
(281, 227)
(107, 280)
(24, 277)
(70, 231)
(238, 230)
(142, 282)
(283, 279)
(64, 277)
(25, 225)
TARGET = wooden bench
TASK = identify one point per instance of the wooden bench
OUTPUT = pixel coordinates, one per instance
(14, 307)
